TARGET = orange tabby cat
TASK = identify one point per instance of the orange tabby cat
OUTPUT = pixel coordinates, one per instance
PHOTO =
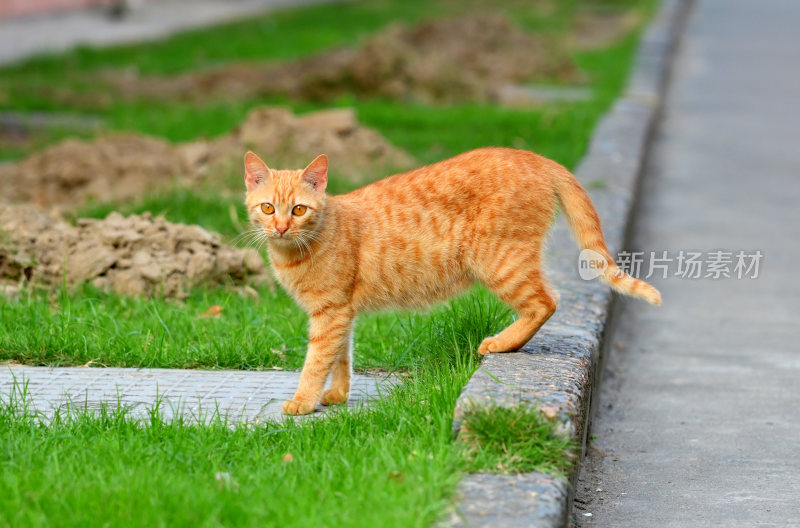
(413, 239)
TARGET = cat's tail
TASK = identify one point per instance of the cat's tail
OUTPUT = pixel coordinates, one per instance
(588, 232)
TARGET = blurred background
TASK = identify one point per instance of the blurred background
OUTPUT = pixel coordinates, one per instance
(161, 98)
(20, 8)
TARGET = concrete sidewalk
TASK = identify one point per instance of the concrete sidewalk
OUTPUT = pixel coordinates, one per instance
(241, 396)
(698, 423)
(23, 37)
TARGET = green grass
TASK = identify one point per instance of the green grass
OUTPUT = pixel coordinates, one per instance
(105, 329)
(515, 439)
(393, 465)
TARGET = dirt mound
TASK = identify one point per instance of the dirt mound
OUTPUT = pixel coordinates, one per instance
(461, 59)
(113, 167)
(596, 29)
(119, 167)
(285, 140)
(137, 255)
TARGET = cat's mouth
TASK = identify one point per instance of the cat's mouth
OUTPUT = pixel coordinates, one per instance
(281, 237)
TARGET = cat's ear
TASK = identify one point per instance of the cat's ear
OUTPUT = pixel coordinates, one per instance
(316, 174)
(256, 172)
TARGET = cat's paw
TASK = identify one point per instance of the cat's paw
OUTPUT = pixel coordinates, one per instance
(489, 345)
(334, 397)
(293, 408)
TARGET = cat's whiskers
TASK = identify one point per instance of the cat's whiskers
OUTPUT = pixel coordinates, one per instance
(309, 235)
(304, 247)
(252, 241)
(241, 236)
(300, 243)
(256, 238)
(251, 237)
(259, 241)
(306, 237)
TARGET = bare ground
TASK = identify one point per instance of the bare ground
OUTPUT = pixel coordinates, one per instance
(119, 167)
(137, 255)
(597, 29)
(459, 59)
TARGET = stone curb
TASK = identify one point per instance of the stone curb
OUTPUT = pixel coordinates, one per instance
(557, 370)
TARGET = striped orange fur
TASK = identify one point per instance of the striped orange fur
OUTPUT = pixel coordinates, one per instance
(413, 239)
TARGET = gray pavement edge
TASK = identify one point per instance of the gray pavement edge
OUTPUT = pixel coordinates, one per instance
(24, 37)
(559, 368)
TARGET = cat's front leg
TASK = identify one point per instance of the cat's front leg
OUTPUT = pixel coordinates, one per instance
(340, 375)
(328, 337)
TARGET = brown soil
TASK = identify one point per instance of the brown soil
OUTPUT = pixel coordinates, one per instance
(114, 167)
(120, 167)
(137, 255)
(600, 29)
(284, 140)
(461, 59)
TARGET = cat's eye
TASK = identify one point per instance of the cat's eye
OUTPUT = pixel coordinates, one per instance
(299, 210)
(267, 208)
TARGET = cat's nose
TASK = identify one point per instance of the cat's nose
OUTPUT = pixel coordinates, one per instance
(281, 228)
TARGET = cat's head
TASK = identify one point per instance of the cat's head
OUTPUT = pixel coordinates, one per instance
(287, 204)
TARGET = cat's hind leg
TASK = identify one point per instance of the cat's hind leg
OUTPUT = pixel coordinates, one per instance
(523, 287)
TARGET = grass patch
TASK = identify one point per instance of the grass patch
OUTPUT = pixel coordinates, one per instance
(517, 439)
(393, 465)
(90, 326)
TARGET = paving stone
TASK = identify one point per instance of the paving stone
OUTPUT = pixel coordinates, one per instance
(241, 396)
